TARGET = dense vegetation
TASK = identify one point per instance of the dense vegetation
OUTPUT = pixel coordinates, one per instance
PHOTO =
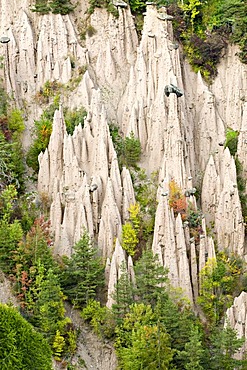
(40, 282)
(153, 326)
(21, 347)
(55, 6)
(203, 27)
(128, 149)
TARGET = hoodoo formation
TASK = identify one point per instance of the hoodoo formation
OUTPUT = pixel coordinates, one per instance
(135, 86)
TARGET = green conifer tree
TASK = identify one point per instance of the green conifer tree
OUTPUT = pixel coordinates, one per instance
(123, 295)
(82, 274)
(49, 308)
(194, 351)
(224, 345)
(177, 317)
(151, 278)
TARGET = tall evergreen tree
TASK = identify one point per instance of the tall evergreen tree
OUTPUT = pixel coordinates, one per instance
(151, 278)
(49, 308)
(83, 273)
(178, 318)
(194, 351)
(123, 295)
(224, 345)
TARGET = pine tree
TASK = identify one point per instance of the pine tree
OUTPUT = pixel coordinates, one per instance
(82, 273)
(151, 278)
(177, 317)
(224, 345)
(35, 248)
(49, 308)
(194, 351)
(123, 295)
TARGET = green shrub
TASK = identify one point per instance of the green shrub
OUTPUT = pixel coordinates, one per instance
(130, 230)
(27, 210)
(21, 347)
(132, 151)
(234, 15)
(91, 30)
(41, 6)
(11, 232)
(137, 6)
(232, 141)
(15, 121)
(73, 118)
(129, 238)
(100, 318)
(11, 153)
(220, 282)
(145, 193)
(107, 4)
(49, 90)
(61, 7)
(42, 133)
(11, 163)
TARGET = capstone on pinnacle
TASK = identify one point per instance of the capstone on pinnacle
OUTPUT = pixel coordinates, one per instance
(169, 89)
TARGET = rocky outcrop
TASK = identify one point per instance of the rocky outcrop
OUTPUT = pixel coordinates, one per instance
(123, 82)
(6, 295)
(173, 132)
(80, 175)
(177, 249)
(117, 267)
(236, 317)
(97, 354)
(221, 203)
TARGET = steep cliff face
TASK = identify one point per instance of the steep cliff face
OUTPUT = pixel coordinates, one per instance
(236, 317)
(124, 84)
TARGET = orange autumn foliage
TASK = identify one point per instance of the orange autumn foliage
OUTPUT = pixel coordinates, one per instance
(177, 200)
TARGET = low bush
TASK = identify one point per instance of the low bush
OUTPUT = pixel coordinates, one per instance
(231, 141)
